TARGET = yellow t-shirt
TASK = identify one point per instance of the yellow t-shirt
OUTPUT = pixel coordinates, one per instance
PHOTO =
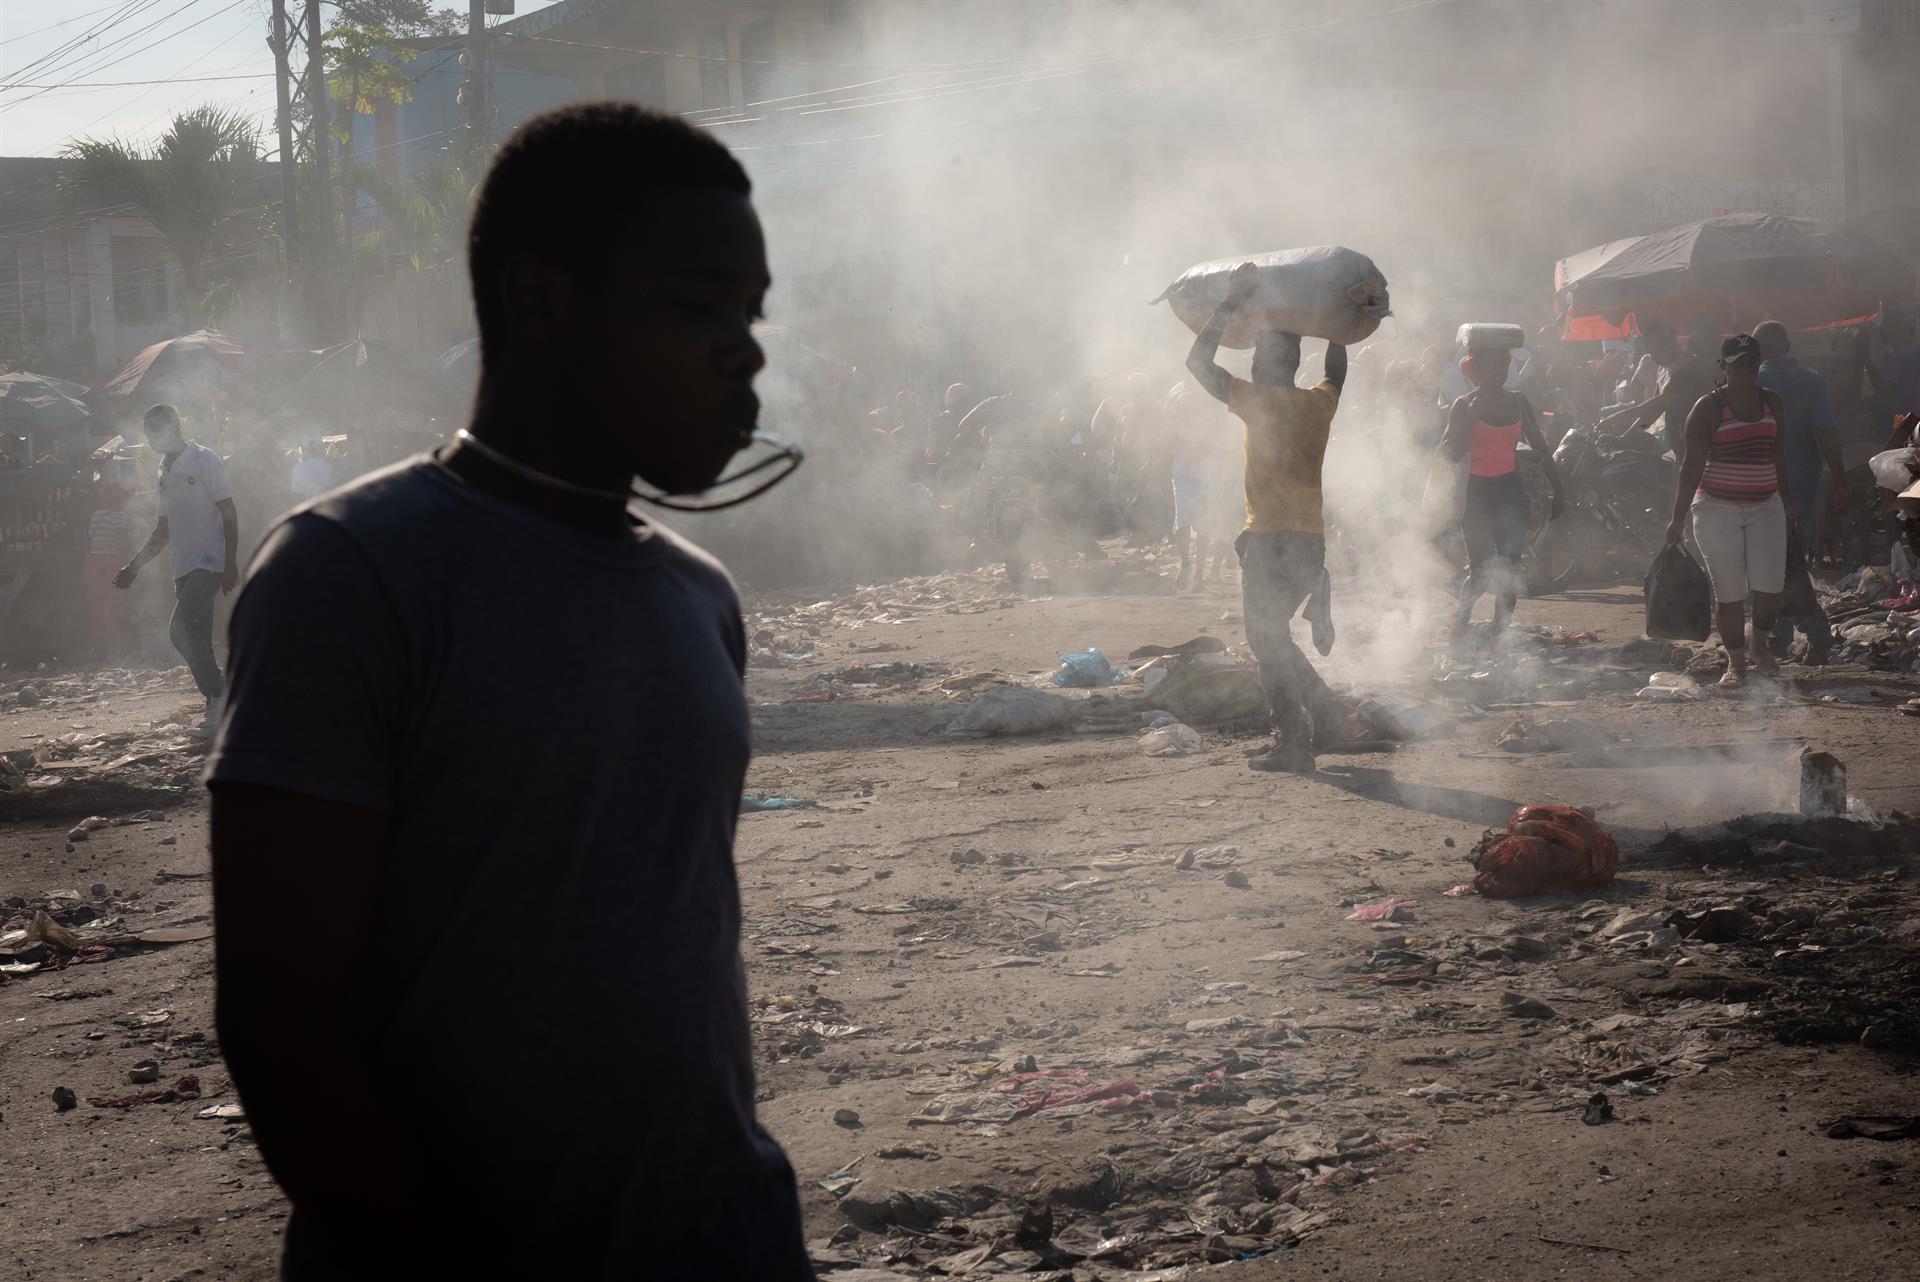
(1287, 431)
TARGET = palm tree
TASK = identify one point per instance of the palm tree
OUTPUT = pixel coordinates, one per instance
(427, 214)
(188, 186)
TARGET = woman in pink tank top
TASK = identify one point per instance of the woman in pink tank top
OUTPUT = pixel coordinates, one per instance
(1733, 484)
(1485, 427)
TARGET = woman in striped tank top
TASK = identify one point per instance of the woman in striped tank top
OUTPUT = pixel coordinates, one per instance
(1732, 479)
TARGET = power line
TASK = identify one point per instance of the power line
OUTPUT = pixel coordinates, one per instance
(102, 66)
(72, 59)
(37, 31)
(188, 67)
(52, 56)
(128, 84)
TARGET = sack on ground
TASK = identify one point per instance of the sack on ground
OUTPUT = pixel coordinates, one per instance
(1546, 849)
(1008, 710)
(1323, 292)
(1679, 597)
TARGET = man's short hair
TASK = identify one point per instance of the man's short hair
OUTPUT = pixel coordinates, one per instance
(569, 183)
(160, 416)
(1772, 332)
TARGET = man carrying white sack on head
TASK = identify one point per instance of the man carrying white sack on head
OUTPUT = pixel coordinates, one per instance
(1283, 547)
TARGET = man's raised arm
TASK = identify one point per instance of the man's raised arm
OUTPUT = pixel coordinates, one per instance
(1200, 360)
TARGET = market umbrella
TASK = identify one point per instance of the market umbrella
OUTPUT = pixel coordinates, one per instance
(201, 368)
(366, 375)
(40, 403)
(1736, 271)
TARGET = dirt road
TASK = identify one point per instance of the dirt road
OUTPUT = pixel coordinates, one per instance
(1047, 1005)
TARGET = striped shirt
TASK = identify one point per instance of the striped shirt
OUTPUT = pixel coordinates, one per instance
(1740, 463)
(110, 533)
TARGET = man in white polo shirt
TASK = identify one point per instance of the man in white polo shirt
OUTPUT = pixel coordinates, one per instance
(197, 517)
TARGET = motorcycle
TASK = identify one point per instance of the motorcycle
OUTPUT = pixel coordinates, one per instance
(1619, 501)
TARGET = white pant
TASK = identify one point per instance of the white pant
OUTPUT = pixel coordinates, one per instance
(1743, 544)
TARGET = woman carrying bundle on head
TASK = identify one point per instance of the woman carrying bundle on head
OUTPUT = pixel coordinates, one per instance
(1485, 427)
(1733, 482)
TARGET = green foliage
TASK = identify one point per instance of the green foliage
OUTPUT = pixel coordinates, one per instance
(189, 185)
(365, 67)
(403, 17)
(428, 213)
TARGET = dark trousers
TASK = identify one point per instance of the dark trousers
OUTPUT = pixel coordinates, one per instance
(1819, 631)
(1278, 572)
(191, 629)
(1494, 526)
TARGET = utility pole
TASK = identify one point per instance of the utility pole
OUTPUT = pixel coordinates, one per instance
(283, 97)
(474, 91)
(322, 144)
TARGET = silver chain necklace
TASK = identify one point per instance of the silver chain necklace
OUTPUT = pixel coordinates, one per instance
(467, 439)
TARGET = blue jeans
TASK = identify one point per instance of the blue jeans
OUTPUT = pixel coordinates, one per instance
(191, 629)
(1815, 625)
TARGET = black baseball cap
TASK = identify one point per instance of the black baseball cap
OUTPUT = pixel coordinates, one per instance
(1734, 346)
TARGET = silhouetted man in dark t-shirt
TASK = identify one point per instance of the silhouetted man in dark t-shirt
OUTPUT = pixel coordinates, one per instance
(475, 791)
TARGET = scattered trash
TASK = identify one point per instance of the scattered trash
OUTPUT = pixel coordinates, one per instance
(1546, 848)
(186, 1088)
(1874, 1128)
(1087, 670)
(1399, 717)
(839, 1184)
(221, 1113)
(1520, 1006)
(1186, 649)
(1671, 687)
(971, 683)
(1175, 740)
(1051, 1089)
(846, 1117)
(1207, 694)
(1390, 909)
(63, 1099)
(1718, 925)
(1236, 879)
(1599, 1109)
(143, 1072)
(1586, 740)
(754, 803)
(1013, 710)
(1460, 891)
(1823, 785)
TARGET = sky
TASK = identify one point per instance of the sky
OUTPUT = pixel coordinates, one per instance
(149, 60)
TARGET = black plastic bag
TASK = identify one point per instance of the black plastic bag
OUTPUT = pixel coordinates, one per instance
(1800, 599)
(1679, 597)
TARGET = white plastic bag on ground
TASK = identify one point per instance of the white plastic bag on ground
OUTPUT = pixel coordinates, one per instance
(1322, 292)
(1175, 740)
(1671, 687)
(1893, 469)
(1007, 710)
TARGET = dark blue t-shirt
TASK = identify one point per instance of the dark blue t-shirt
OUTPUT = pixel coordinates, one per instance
(555, 725)
(1808, 411)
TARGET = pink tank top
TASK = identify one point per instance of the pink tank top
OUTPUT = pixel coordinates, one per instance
(1740, 457)
(1493, 448)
